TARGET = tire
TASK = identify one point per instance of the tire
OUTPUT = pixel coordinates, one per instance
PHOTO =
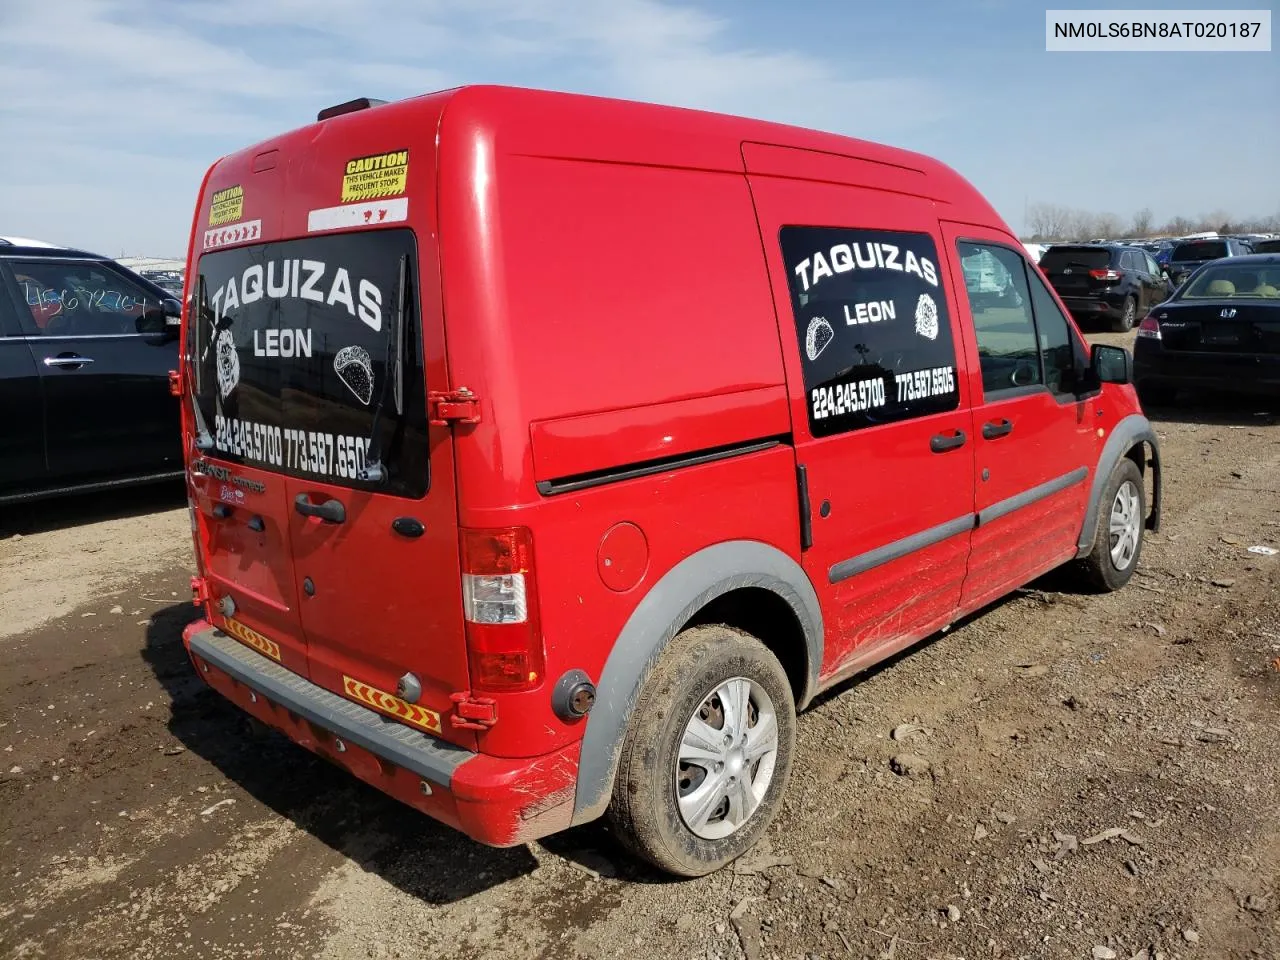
(1157, 394)
(696, 680)
(1107, 567)
(1128, 316)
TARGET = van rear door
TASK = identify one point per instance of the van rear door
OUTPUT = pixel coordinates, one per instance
(322, 348)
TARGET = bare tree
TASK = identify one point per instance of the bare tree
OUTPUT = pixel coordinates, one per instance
(1107, 225)
(1141, 225)
(1048, 221)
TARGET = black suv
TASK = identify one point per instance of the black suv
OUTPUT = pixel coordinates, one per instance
(1109, 281)
(86, 347)
(1189, 254)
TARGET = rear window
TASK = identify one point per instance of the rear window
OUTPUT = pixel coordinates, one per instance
(1202, 250)
(1235, 280)
(308, 359)
(1266, 246)
(1058, 259)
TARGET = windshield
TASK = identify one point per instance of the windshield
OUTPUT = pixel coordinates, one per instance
(295, 347)
(1202, 250)
(1235, 281)
(1058, 259)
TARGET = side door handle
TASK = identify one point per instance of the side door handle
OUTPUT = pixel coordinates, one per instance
(942, 442)
(67, 360)
(331, 511)
(994, 429)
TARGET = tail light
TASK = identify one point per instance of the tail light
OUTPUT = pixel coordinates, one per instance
(500, 603)
(1149, 328)
(1108, 274)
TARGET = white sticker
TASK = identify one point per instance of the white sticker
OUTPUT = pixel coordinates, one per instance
(927, 317)
(354, 368)
(358, 215)
(238, 233)
(817, 337)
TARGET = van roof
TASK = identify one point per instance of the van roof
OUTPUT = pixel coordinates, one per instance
(624, 131)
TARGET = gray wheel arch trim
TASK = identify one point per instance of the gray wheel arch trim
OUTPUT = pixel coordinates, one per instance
(670, 603)
(1133, 430)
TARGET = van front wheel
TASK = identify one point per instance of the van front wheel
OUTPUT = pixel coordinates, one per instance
(1117, 544)
(708, 752)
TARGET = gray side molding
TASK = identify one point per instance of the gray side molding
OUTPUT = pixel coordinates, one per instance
(1133, 429)
(668, 605)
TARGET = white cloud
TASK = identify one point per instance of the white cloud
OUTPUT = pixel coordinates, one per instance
(126, 103)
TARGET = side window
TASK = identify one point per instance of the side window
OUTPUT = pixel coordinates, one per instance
(872, 324)
(81, 298)
(1000, 302)
(1060, 349)
(1153, 268)
(1130, 261)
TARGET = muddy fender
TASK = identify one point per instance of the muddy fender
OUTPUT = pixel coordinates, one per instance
(670, 603)
(1133, 431)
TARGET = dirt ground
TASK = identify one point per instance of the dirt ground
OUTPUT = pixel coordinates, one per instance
(1102, 775)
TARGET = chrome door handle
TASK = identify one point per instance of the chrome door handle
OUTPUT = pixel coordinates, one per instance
(66, 361)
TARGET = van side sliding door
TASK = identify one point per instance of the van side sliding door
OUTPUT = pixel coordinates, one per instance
(879, 404)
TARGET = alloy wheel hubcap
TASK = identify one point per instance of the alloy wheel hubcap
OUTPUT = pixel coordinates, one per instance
(1125, 525)
(726, 758)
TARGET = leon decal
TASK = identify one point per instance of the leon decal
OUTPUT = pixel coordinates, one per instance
(226, 206)
(381, 175)
(927, 317)
(817, 337)
(354, 368)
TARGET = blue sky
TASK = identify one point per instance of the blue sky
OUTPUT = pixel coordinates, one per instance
(113, 110)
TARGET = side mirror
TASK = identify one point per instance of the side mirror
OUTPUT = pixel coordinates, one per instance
(1110, 364)
(171, 309)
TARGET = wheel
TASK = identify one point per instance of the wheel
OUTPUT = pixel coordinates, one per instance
(708, 752)
(1117, 545)
(1156, 394)
(1128, 315)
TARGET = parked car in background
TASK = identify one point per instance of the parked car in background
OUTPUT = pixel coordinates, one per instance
(86, 347)
(1220, 330)
(1112, 282)
(168, 280)
(1186, 256)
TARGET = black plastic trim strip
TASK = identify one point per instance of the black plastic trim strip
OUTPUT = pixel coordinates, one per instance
(1027, 497)
(647, 468)
(899, 548)
(806, 511)
(432, 759)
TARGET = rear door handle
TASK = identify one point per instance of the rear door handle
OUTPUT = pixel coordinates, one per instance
(995, 429)
(942, 442)
(331, 511)
(66, 360)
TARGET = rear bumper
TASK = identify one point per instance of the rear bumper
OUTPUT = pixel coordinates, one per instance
(1107, 305)
(497, 801)
(1238, 373)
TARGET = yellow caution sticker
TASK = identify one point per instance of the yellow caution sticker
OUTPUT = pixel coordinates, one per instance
(227, 205)
(380, 175)
(252, 638)
(391, 705)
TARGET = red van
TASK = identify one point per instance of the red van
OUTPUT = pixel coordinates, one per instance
(547, 453)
